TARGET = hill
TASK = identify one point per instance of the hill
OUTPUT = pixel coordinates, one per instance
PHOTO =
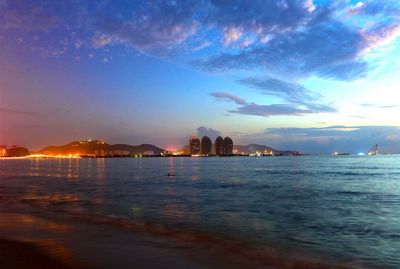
(100, 148)
(17, 152)
(140, 149)
(253, 148)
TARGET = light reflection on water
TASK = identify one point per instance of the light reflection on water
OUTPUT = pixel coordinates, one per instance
(347, 207)
(100, 172)
(54, 167)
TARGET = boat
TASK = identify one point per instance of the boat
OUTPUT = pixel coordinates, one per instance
(339, 154)
(373, 151)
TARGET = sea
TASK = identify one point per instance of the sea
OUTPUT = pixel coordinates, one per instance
(317, 211)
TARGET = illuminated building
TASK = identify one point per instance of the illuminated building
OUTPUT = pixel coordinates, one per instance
(100, 153)
(206, 145)
(219, 146)
(3, 150)
(228, 146)
(194, 145)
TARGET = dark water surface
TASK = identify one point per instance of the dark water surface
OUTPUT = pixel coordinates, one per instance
(345, 209)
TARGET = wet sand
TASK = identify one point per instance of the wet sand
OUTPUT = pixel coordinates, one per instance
(28, 241)
(14, 254)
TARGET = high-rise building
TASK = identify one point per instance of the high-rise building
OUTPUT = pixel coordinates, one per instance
(219, 146)
(3, 150)
(194, 145)
(206, 145)
(228, 146)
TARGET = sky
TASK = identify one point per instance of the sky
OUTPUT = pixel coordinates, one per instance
(314, 76)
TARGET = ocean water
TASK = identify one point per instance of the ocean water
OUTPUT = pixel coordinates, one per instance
(345, 210)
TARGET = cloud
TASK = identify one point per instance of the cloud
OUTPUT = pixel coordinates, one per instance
(329, 50)
(232, 34)
(202, 45)
(393, 137)
(267, 17)
(320, 108)
(210, 132)
(377, 8)
(382, 34)
(288, 91)
(380, 106)
(350, 139)
(359, 117)
(100, 40)
(301, 100)
(302, 39)
(309, 5)
(250, 108)
(330, 131)
(229, 98)
(347, 71)
(298, 38)
(270, 110)
(281, 110)
(156, 26)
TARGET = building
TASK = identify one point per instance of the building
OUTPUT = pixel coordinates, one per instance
(100, 153)
(3, 150)
(219, 146)
(228, 146)
(206, 145)
(194, 145)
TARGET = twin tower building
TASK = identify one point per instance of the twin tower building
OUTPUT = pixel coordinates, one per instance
(223, 147)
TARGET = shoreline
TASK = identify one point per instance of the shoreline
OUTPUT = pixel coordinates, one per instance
(30, 157)
(150, 156)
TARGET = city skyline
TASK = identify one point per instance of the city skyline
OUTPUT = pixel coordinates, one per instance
(312, 76)
(205, 147)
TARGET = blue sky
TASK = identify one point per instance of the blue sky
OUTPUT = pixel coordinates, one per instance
(315, 76)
